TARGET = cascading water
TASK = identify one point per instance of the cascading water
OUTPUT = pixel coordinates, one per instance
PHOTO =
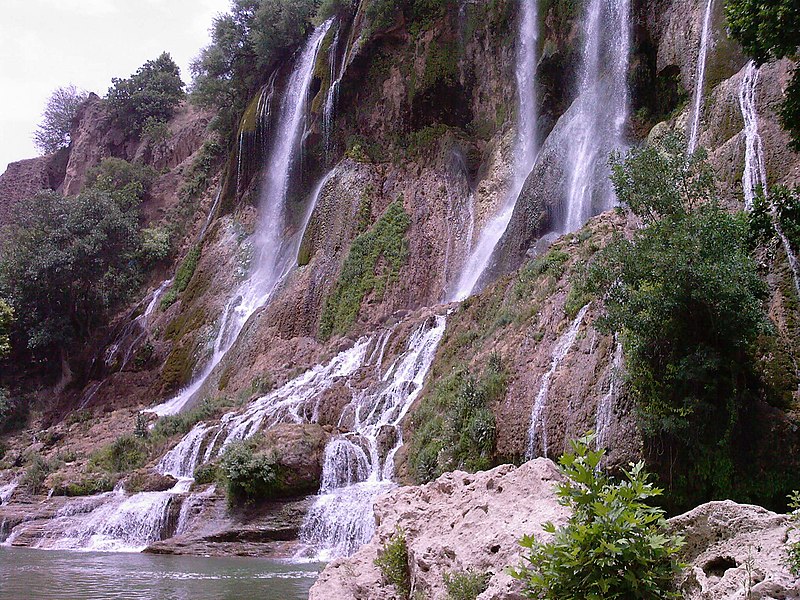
(7, 490)
(700, 77)
(537, 432)
(600, 111)
(605, 408)
(332, 97)
(273, 255)
(754, 176)
(359, 464)
(524, 154)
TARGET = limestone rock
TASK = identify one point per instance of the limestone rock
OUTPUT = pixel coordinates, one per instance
(729, 543)
(300, 450)
(457, 522)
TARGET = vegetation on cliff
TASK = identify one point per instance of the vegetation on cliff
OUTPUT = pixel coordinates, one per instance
(768, 31)
(53, 133)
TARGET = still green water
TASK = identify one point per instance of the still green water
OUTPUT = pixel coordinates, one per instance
(55, 575)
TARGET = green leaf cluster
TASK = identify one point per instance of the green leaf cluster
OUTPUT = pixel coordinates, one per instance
(249, 475)
(465, 585)
(685, 295)
(53, 133)
(614, 545)
(793, 548)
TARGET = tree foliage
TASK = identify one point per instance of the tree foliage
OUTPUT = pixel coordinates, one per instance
(66, 263)
(149, 95)
(53, 133)
(245, 45)
(614, 545)
(6, 316)
(767, 31)
(685, 295)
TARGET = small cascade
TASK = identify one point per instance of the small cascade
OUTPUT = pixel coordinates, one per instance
(332, 97)
(359, 464)
(700, 77)
(754, 176)
(537, 432)
(7, 490)
(599, 112)
(122, 350)
(605, 408)
(460, 217)
(190, 508)
(525, 152)
(273, 255)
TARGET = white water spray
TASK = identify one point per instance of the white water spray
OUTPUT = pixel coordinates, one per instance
(600, 111)
(274, 256)
(524, 154)
(700, 77)
(537, 432)
(605, 408)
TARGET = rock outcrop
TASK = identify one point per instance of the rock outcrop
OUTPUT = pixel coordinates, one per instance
(459, 522)
(735, 548)
(472, 522)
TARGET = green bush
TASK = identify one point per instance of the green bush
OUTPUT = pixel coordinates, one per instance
(685, 296)
(393, 563)
(89, 486)
(249, 475)
(6, 318)
(614, 544)
(128, 183)
(37, 468)
(149, 95)
(454, 427)
(384, 246)
(125, 454)
(207, 473)
(465, 585)
(53, 133)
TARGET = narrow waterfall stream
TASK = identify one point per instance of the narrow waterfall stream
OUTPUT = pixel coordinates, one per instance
(754, 176)
(525, 151)
(599, 113)
(605, 408)
(537, 431)
(273, 256)
(700, 76)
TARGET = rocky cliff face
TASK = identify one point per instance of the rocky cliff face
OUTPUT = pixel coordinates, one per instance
(425, 118)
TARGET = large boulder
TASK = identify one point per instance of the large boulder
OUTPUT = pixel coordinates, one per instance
(731, 548)
(460, 521)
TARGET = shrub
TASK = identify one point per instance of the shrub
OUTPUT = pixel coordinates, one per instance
(249, 475)
(465, 585)
(393, 562)
(6, 318)
(127, 183)
(37, 469)
(53, 133)
(455, 428)
(613, 545)
(121, 456)
(183, 276)
(151, 94)
(206, 473)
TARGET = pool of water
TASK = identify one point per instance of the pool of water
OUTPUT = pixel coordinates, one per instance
(56, 575)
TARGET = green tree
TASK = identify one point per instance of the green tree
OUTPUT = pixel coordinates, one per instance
(53, 133)
(150, 95)
(685, 296)
(614, 545)
(767, 31)
(66, 262)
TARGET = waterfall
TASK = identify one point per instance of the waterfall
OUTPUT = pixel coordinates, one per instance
(524, 154)
(600, 111)
(537, 432)
(7, 490)
(359, 464)
(754, 176)
(700, 77)
(605, 408)
(273, 256)
(332, 97)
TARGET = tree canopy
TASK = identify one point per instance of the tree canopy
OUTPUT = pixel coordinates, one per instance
(53, 132)
(149, 95)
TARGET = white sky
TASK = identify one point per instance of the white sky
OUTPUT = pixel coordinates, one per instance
(45, 44)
